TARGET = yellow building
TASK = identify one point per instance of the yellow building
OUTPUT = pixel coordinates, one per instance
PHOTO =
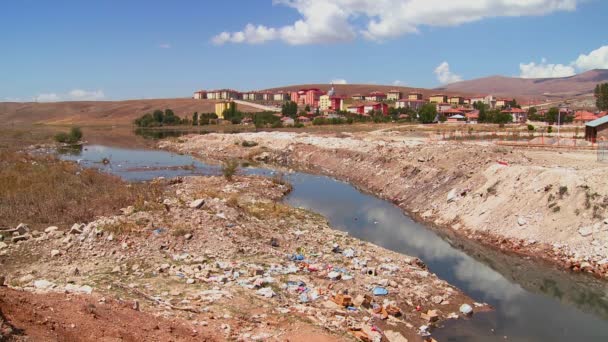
(394, 95)
(456, 100)
(220, 107)
(324, 102)
(414, 96)
(438, 98)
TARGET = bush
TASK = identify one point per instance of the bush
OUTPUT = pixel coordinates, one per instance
(550, 129)
(230, 168)
(530, 128)
(246, 143)
(73, 137)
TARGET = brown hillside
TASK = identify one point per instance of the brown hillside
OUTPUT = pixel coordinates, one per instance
(539, 88)
(99, 112)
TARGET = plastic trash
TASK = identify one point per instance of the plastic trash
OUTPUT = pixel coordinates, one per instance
(297, 257)
(303, 298)
(380, 291)
(466, 309)
(265, 292)
(158, 231)
(333, 275)
(349, 253)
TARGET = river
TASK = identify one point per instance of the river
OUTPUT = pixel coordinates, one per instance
(532, 301)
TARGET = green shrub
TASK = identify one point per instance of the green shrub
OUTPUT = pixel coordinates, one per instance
(73, 137)
(230, 168)
(530, 128)
(550, 129)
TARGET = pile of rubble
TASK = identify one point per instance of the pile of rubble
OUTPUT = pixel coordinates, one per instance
(231, 258)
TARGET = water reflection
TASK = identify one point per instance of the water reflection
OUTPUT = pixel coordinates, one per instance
(157, 134)
(533, 302)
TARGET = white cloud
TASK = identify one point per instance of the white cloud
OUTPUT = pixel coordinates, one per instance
(164, 46)
(72, 95)
(545, 70)
(399, 83)
(444, 75)
(327, 21)
(596, 59)
(339, 81)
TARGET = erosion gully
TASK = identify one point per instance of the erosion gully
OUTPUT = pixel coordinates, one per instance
(532, 301)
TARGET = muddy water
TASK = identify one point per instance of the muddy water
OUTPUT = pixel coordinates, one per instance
(532, 301)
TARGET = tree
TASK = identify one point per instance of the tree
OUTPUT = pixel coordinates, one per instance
(552, 114)
(601, 96)
(428, 113)
(483, 117)
(513, 104)
(290, 109)
(195, 119)
(158, 116)
(307, 108)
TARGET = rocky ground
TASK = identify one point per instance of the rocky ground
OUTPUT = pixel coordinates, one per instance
(215, 260)
(549, 204)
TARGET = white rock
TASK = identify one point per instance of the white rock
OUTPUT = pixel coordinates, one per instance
(85, 289)
(55, 253)
(266, 292)
(43, 284)
(51, 229)
(585, 231)
(196, 204)
(3, 245)
(521, 221)
(452, 195)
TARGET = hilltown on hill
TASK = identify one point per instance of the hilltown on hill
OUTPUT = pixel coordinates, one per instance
(453, 108)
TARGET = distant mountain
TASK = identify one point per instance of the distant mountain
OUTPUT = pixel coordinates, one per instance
(528, 88)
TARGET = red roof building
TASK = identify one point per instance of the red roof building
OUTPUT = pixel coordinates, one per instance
(584, 117)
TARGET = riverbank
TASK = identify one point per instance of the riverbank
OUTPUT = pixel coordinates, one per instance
(217, 259)
(545, 204)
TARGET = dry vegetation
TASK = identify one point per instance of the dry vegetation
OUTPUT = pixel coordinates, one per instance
(42, 190)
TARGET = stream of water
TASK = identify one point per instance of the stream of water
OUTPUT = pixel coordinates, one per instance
(532, 301)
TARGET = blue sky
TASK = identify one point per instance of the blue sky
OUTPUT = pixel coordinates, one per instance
(63, 50)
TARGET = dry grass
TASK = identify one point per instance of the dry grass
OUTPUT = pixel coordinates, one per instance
(44, 191)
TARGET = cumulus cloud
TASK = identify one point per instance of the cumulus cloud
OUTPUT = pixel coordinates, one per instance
(72, 95)
(596, 59)
(545, 70)
(339, 81)
(444, 75)
(327, 21)
(398, 83)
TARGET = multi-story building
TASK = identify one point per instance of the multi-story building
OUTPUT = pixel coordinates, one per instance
(375, 96)
(414, 96)
(281, 96)
(324, 102)
(337, 103)
(409, 103)
(438, 98)
(220, 107)
(456, 100)
(312, 97)
(200, 95)
(394, 95)
(503, 103)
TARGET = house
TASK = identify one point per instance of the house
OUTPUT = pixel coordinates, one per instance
(456, 100)
(602, 114)
(451, 112)
(394, 95)
(438, 98)
(487, 99)
(519, 115)
(597, 130)
(456, 118)
(414, 96)
(442, 107)
(376, 107)
(220, 107)
(357, 97)
(467, 101)
(472, 117)
(358, 109)
(583, 117)
(229, 94)
(287, 121)
(213, 95)
(375, 96)
(281, 96)
(200, 95)
(409, 103)
(503, 103)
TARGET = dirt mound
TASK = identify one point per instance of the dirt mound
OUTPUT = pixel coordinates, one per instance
(59, 317)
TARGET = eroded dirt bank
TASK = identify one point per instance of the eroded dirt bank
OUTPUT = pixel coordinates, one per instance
(548, 204)
(215, 260)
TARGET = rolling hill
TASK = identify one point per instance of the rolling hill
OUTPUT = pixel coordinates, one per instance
(98, 112)
(528, 88)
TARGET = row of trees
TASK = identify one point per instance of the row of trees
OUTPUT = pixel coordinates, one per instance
(159, 118)
(552, 116)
